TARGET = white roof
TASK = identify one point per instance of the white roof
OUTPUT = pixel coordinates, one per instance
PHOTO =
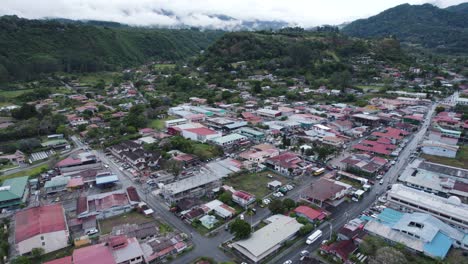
(429, 201)
(269, 237)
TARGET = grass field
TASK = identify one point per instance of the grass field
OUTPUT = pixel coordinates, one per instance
(255, 183)
(13, 94)
(30, 172)
(369, 87)
(159, 123)
(106, 225)
(164, 66)
(93, 78)
(461, 160)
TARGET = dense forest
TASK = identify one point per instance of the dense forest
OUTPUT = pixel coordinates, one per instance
(320, 53)
(442, 30)
(31, 47)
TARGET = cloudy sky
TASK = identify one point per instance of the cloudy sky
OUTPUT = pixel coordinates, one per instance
(304, 13)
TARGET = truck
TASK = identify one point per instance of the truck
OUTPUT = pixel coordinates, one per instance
(313, 237)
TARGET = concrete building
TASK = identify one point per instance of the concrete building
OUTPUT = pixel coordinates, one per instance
(419, 232)
(201, 134)
(105, 205)
(325, 191)
(449, 210)
(268, 239)
(230, 140)
(41, 227)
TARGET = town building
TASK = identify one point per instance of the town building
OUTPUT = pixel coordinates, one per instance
(449, 210)
(243, 198)
(435, 148)
(41, 227)
(14, 192)
(325, 191)
(419, 232)
(267, 240)
(105, 205)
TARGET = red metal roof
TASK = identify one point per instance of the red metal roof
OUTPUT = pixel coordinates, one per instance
(39, 220)
(99, 253)
(243, 195)
(204, 131)
(64, 260)
(310, 213)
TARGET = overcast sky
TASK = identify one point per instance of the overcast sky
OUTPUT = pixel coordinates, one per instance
(304, 13)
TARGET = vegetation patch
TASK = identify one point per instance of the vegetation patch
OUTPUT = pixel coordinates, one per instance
(461, 160)
(106, 225)
(255, 183)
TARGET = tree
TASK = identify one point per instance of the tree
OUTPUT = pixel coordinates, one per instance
(306, 229)
(21, 260)
(276, 207)
(257, 87)
(289, 203)
(439, 109)
(26, 111)
(226, 197)
(36, 253)
(241, 229)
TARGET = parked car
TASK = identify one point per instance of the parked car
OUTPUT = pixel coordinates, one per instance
(91, 232)
(381, 182)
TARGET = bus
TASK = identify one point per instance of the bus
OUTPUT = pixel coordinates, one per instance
(312, 238)
(319, 171)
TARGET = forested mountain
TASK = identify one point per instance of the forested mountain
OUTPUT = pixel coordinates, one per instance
(300, 50)
(444, 30)
(461, 8)
(31, 47)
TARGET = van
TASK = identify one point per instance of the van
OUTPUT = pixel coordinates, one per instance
(312, 238)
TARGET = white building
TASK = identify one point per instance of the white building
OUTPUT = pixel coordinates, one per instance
(450, 210)
(268, 239)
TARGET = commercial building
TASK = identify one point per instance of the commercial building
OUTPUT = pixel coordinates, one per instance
(14, 192)
(230, 140)
(416, 176)
(419, 232)
(268, 239)
(41, 227)
(325, 191)
(449, 210)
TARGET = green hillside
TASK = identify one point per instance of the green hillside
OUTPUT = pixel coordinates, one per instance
(31, 47)
(425, 25)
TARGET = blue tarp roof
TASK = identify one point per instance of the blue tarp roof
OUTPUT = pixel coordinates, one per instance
(439, 246)
(107, 179)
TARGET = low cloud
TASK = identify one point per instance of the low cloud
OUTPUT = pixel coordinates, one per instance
(205, 13)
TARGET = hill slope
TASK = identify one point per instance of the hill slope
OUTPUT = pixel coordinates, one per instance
(426, 25)
(461, 8)
(31, 47)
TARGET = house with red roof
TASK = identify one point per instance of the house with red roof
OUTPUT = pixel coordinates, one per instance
(340, 251)
(201, 134)
(243, 198)
(311, 214)
(325, 191)
(375, 147)
(41, 227)
(99, 253)
(286, 162)
(104, 205)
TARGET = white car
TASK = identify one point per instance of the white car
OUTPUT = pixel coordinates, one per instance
(288, 262)
(241, 217)
(92, 231)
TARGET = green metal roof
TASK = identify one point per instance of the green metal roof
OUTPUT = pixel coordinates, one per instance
(13, 188)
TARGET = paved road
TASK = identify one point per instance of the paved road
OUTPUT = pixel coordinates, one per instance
(347, 211)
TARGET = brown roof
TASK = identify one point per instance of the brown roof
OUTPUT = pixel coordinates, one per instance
(323, 190)
(81, 205)
(133, 194)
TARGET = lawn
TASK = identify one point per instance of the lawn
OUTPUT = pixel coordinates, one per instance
(93, 78)
(31, 172)
(106, 225)
(164, 66)
(255, 183)
(461, 159)
(14, 93)
(159, 123)
(366, 88)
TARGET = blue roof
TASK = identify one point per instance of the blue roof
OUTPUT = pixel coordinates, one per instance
(439, 246)
(390, 217)
(366, 218)
(107, 179)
